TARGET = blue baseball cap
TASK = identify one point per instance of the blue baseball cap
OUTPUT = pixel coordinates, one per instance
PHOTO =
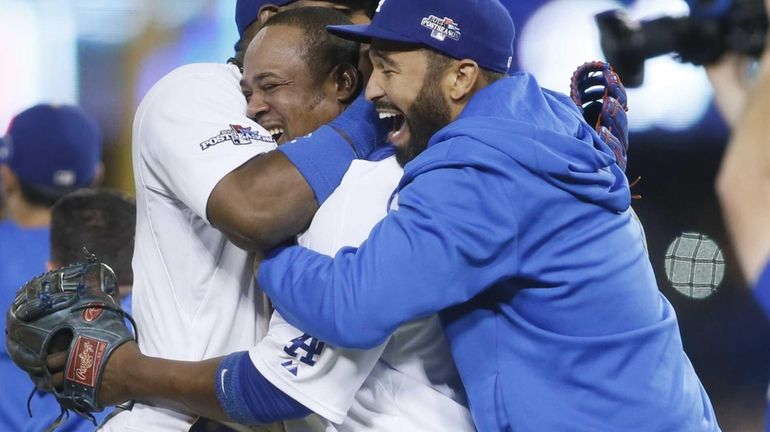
(480, 30)
(53, 147)
(247, 11)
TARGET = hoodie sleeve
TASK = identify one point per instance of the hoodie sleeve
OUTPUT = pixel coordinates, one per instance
(450, 233)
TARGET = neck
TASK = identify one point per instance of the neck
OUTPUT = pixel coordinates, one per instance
(27, 215)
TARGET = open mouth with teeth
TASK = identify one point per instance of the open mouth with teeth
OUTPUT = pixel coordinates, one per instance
(277, 133)
(398, 126)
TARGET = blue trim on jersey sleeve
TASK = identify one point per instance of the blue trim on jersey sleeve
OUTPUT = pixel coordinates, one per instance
(322, 158)
(247, 397)
(761, 290)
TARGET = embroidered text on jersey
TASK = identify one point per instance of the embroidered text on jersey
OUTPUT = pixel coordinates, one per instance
(238, 135)
(310, 345)
(441, 28)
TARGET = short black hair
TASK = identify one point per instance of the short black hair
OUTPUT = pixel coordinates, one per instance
(101, 220)
(367, 6)
(322, 50)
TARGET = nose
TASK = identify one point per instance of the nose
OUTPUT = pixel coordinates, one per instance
(256, 106)
(374, 89)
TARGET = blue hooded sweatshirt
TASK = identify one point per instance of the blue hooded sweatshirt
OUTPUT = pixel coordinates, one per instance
(515, 226)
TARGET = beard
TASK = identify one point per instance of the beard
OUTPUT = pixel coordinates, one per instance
(427, 115)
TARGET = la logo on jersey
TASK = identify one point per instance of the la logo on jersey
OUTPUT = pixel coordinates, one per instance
(442, 28)
(379, 6)
(310, 346)
(238, 135)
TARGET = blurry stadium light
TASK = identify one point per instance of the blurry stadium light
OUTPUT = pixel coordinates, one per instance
(38, 55)
(120, 21)
(111, 21)
(562, 34)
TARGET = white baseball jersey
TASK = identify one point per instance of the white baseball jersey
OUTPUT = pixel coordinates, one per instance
(407, 384)
(193, 294)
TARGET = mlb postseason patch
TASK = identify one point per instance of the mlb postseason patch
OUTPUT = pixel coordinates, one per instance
(441, 28)
(238, 135)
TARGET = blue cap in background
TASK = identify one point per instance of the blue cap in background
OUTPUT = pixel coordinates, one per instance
(480, 30)
(54, 147)
(247, 11)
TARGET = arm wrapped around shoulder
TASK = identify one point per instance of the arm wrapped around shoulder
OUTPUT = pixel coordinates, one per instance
(73, 309)
(598, 91)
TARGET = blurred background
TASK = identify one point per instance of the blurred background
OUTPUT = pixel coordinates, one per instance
(104, 55)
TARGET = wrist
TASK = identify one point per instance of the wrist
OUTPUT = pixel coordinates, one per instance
(121, 380)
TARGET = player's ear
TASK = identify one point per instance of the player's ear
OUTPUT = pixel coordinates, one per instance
(463, 79)
(9, 180)
(266, 12)
(347, 82)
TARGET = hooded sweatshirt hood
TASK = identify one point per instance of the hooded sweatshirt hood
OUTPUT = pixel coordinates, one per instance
(545, 133)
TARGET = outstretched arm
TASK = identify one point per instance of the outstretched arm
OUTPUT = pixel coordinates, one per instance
(743, 184)
(228, 389)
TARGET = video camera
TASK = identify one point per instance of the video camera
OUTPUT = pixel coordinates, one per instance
(713, 28)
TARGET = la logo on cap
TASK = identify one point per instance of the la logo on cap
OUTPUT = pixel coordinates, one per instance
(379, 6)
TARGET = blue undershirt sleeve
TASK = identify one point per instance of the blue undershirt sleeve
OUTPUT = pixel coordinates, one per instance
(248, 398)
(761, 290)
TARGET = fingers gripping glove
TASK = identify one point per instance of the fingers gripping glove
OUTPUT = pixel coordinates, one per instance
(73, 309)
(597, 90)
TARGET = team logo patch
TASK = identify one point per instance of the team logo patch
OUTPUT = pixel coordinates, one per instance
(91, 314)
(85, 359)
(238, 135)
(442, 28)
(303, 350)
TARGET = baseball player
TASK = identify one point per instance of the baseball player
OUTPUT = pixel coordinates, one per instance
(193, 293)
(49, 151)
(511, 221)
(408, 383)
(101, 221)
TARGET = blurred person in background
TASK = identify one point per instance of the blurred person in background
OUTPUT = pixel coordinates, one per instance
(743, 183)
(49, 151)
(88, 221)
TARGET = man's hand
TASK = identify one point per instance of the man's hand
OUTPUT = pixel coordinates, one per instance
(71, 314)
(731, 82)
